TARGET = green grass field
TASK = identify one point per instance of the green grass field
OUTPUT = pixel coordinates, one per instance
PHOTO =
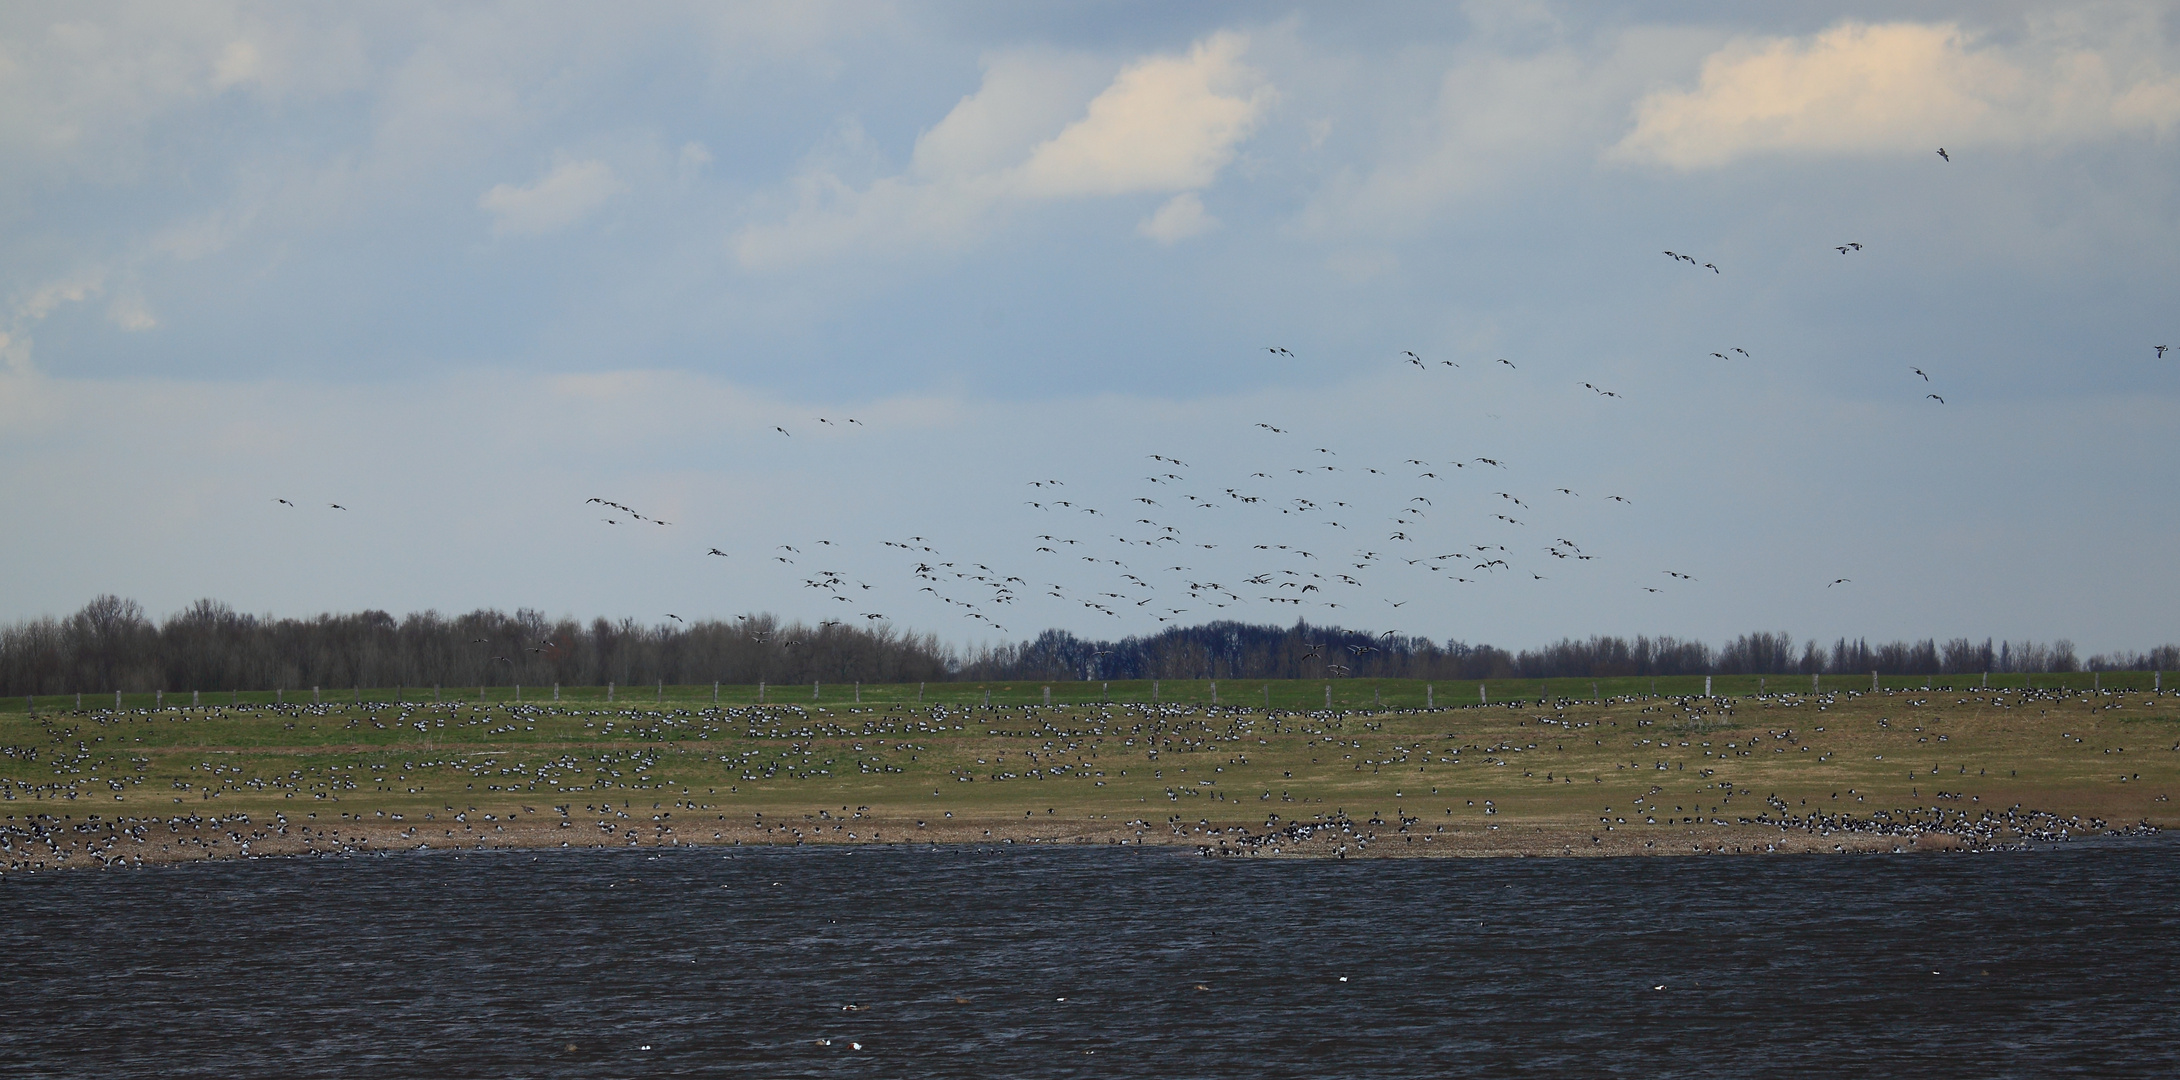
(1566, 764)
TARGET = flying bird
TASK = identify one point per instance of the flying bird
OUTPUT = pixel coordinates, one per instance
(1948, 157)
(1839, 581)
(1935, 398)
(2160, 351)
(336, 506)
(284, 502)
(715, 551)
(1919, 371)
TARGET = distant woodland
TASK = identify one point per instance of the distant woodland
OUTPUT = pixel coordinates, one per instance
(112, 645)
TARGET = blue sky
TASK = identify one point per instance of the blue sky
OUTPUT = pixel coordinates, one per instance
(460, 269)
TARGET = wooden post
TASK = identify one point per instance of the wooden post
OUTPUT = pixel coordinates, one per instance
(1873, 682)
(194, 700)
(1214, 691)
(919, 693)
(1813, 683)
(1328, 695)
(715, 691)
(556, 692)
(1108, 691)
(609, 691)
(859, 691)
(1706, 686)
(1430, 697)
(761, 692)
(1759, 686)
(1483, 697)
(117, 701)
(1048, 695)
(1154, 691)
(518, 693)
(987, 697)
(813, 690)
(158, 699)
(1594, 694)
(1267, 695)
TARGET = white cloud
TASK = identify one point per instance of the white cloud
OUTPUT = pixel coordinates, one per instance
(1163, 124)
(1166, 124)
(1493, 119)
(1899, 87)
(557, 200)
(1181, 217)
(131, 313)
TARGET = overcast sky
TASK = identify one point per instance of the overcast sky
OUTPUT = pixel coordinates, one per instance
(462, 268)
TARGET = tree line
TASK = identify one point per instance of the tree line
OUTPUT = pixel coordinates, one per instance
(112, 645)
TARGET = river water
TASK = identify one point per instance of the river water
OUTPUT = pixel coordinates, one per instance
(1018, 962)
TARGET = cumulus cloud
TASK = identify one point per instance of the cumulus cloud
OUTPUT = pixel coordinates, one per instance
(1167, 123)
(1163, 124)
(1895, 87)
(557, 200)
(1181, 217)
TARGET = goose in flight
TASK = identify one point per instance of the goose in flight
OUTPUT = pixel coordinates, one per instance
(1508, 363)
(2160, 351)
(716, 551)
(1935, 398)
(285, 503)
(1948, 157)
(1839, 581)
(1919, 371)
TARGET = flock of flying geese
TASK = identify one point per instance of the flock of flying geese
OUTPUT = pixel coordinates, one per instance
(1193, 543)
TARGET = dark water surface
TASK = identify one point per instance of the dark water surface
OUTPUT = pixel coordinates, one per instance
(1088, 962)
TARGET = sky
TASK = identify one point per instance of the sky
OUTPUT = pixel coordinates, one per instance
(1224, 274)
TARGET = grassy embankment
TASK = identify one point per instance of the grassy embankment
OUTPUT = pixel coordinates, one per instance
(1572, 773)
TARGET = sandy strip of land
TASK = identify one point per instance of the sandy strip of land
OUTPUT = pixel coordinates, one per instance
(44, 843)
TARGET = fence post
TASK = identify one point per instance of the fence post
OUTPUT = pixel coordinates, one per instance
(919, 693)
(609, 691)
(761, 692)
(158, 699)
(1048, 695)
(518, 693)
(1706, 686)
(813, 690)
(1328, 695)
(1154, 691)
(1107, 692)
(196, 699)
(117, 701)
(1873, 682)
(1214, 691)
(987, 697)
(556, 692)
(715, 691)
(1483, 697)
(859, 691)
(1430, 700)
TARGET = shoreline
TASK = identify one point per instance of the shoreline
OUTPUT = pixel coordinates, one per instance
(44, 844)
